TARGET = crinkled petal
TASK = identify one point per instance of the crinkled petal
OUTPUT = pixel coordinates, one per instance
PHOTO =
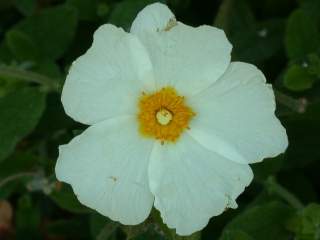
(191, 184)
(107, 168)
(107, 80)
(236, 116)
(187, 58)
(154, 17)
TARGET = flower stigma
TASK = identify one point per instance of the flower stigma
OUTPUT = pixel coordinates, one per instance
(163, 115)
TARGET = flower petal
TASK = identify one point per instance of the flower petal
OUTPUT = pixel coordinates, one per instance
(154, 17)
(236, 116)
(187, 58)
(106, 81)
(107, 168)
(191, 184)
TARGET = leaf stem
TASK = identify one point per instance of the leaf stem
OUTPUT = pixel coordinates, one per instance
(170, 233)
(107, 231)
(46, 82)
(274, 187)
(298, 105)
(15, 177)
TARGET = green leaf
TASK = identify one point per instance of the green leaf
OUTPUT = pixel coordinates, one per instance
(107, 231)
(52, 30)
(194, 236)
(20, 112)
(236, 235)
(21, 45)
(83, 42)
(269, 8)
(97, 222)
(66, 199)
(274, 188)
(297, 183)
(311, 7)
(18, 74)
(26, 7)
(234, 15)
(87, 10)
(252, 41)
(125, 12)
(314, 65)
(150, 234)
(134, 232)
(103, 10)
(179, 5)
(19, 164)
(302, 35)
(297, 78)
(54, 118)
(6, 55)
(27, 219)
(4, 4)
(258, 44)
(262, 222)
(306, 224)
(267, 168)
(75, 228)
(8, 85)
(48, 68)
(171, 233)
(303, 133)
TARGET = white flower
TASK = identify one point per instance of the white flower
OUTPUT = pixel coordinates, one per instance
(172, 122)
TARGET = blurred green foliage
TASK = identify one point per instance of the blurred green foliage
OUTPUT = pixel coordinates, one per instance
(39, 39)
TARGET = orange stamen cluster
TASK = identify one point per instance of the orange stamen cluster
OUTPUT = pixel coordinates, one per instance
(163, 115)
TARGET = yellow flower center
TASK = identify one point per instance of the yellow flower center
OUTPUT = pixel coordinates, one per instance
(163, 115)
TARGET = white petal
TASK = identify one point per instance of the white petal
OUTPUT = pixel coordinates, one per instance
(235, 116)
(187, 58)
(106, 81)
(154, 17)
(107, 168)
(191, 184)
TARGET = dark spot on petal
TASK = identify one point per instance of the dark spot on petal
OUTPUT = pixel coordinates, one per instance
(172, 22)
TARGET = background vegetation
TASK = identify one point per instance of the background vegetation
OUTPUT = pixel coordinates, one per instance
(40, 38)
